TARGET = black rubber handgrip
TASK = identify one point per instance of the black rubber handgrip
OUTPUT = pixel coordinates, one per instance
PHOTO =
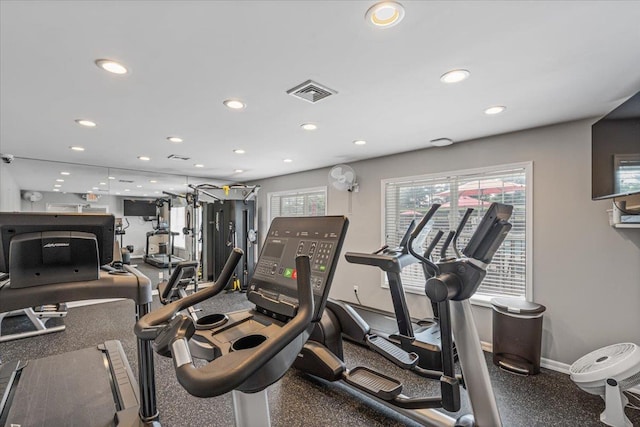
(146, 328)
(445, 245)
(425, 220)
(228, 372)
(433, 244)
(463, 222)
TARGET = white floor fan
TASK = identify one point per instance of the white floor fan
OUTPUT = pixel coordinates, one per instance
(608, 372)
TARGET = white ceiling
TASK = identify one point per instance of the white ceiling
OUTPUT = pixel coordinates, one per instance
(548, 62)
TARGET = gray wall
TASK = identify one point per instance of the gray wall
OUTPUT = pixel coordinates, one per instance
(9, 190)
(586, 273)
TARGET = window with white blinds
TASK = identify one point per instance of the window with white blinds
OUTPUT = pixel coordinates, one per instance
(411, 198)
(303, 202)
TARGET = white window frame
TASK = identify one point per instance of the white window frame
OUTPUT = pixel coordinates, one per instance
(181, 241)
(481, 300)
(296, 192)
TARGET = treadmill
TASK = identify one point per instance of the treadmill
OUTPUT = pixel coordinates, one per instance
(162, 260)
(53, 258)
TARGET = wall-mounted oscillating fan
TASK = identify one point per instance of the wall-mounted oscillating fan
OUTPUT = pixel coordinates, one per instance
(343, 178)
(608, 372)
(32, 196)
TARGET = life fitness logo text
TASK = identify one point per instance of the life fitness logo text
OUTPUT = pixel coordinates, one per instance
(56, 245)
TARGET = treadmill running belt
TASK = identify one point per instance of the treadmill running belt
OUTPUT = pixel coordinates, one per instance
(70, 389)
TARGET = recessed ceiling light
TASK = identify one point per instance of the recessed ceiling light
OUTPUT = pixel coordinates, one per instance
(441, 142)
(95, 188)
(65, 173)
(234, 104)
(288, 160)
(118, 193)
(138, 186)
(144, 158)
(309, 126)
(238, 171)
(59, 180)
(76, 148)
(385, 14)
(56, 189)
(360, 142)
(103, 183)
(86, 123)
(454, 76)
(497, 109)
(126, 189)
(111, 66)
(174, 139)
(199, 165)
(57, 185)
(111, 177)
(239, 151)
(153, 181)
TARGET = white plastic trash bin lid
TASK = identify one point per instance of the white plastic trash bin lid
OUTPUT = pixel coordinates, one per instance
(517, 306)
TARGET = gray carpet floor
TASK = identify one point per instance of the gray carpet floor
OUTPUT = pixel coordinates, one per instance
(547, 399)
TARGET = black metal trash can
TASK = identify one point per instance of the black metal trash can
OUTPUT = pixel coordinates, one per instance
(517, 335)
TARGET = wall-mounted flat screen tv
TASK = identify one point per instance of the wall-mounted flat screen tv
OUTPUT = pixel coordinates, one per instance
(146, 208)
(615, 152)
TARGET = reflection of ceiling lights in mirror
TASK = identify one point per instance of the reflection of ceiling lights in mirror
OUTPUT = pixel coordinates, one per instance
(111, 66)
(175, 139)
(144, 158)
(153, 181)
(95, 188)
(57, 185)
(77, 148)
(138, 186)
(238, 171)
(65, 173)
(199, 165)
(239, 151)
(59, 180)
(56, 189)
(287, 160)
(111, 177)
(103, 183)
(126, 189)
(309, 126)
(360, 142)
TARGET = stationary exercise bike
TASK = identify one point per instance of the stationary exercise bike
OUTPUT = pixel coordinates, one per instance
(451, 283)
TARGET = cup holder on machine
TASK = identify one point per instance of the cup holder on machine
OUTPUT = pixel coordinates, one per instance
(211, 321)
(249, 341)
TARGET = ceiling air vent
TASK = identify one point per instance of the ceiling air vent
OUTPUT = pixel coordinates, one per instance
(177, 157)
(311, 91)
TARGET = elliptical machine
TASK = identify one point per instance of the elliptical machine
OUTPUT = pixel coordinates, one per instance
(451, 282)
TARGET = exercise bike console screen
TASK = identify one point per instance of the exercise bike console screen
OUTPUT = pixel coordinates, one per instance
(273, 287)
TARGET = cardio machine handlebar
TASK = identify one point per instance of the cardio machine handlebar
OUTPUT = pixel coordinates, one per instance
(231, 370)
(149, 326)
(416, 232)
(463, 222)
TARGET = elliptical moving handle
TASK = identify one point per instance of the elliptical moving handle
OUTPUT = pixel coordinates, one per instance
(149, 326)
(463, 222)
(231, 370)
(416, 232)
(425, 220)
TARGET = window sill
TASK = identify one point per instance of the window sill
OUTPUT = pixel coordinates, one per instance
(479, 300)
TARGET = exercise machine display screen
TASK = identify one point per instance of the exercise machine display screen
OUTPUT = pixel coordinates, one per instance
(273, 287)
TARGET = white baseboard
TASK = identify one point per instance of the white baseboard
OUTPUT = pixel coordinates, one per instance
(553, 365)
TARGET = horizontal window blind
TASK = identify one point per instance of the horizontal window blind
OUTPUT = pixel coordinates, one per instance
(406, 200)
(308, 202)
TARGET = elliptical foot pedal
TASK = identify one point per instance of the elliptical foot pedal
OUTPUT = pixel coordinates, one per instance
(374, 383)
(392, 352)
